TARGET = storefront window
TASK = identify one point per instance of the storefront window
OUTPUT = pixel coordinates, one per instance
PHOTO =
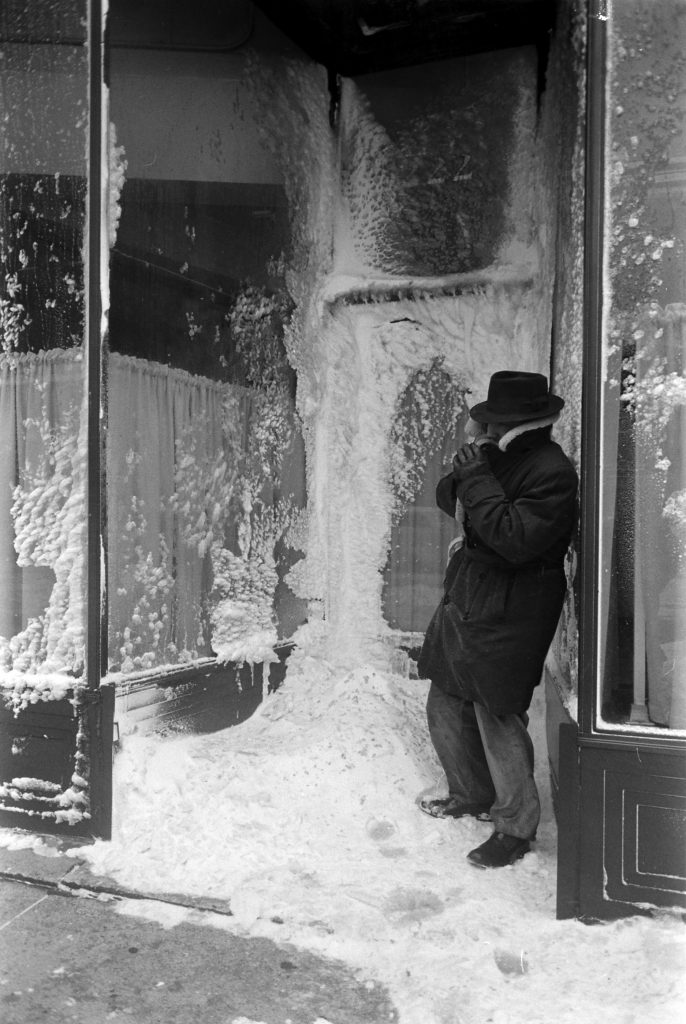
(205, 462)
(43, 413)
(643, 533)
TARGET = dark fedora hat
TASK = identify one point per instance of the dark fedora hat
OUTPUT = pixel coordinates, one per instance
(516, 396)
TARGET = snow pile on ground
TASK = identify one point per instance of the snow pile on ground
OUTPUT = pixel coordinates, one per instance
(305, 818)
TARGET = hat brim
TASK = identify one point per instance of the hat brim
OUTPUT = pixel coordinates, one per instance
(484, 413)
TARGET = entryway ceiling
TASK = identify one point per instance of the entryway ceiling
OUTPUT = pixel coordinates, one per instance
(352, 37)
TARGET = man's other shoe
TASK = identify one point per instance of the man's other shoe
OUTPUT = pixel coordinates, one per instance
(498, 851)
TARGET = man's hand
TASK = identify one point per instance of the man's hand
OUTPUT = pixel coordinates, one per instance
(468, 457)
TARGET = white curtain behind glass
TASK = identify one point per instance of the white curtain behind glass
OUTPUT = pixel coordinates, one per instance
(176, 447)
(164, 439)
(42, 512)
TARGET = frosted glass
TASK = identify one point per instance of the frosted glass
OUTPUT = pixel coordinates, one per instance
(43, 415)
(643, 595)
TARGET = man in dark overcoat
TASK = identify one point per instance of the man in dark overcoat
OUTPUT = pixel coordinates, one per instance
(514, 491)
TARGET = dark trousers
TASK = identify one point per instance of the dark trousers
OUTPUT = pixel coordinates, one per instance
(488, 759)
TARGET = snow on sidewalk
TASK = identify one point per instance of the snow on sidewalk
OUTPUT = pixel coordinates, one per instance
(305, 818)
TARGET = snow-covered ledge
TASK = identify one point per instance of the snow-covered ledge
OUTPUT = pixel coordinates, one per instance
(369, 336)
(351, 289)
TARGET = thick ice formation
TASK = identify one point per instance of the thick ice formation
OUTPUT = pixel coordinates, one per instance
(368, 319)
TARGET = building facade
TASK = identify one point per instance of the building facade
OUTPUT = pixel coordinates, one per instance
(254, 260)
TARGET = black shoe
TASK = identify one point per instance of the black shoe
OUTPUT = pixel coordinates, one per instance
(498, 851)
(450, 807)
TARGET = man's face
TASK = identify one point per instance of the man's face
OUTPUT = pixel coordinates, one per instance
(496, 430)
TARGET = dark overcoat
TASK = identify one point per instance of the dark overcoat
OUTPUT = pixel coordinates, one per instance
(504, 588)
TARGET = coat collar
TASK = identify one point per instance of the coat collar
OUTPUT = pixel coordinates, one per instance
(529, 429)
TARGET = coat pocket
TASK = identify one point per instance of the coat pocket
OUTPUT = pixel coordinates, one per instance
(472, 592)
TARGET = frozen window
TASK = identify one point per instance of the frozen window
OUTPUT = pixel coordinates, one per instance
(425, 161)
(431, 157)
(44, 83)
(643, 540)
(205, 461)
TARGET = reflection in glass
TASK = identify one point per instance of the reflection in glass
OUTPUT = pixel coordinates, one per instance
(644, 597)
(43, 422)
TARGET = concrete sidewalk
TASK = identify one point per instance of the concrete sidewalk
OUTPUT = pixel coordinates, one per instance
(66, 954)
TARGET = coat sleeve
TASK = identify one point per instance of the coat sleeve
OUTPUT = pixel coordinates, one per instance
(523, 529)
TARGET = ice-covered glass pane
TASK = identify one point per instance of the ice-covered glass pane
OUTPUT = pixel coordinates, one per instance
(428, 427)
(643, 544)
(43, 421)
(426, 161)
(205, 462)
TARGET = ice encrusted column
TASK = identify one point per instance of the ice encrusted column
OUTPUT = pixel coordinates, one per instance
(415, 237)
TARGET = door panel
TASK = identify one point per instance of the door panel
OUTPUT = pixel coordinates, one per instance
(632, 825)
